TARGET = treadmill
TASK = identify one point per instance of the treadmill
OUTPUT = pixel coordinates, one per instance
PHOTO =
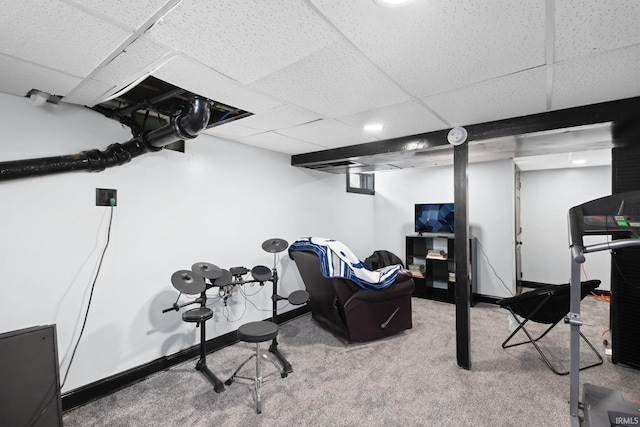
(617, 216)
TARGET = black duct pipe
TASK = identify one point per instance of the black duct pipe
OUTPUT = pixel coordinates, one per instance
(124, 112)
(185, 126)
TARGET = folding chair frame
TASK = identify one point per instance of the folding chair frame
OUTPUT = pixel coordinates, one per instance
(534, 341)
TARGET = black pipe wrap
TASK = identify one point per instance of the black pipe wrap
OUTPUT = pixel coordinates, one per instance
(115, 155)
(181, 127)
(43, 166)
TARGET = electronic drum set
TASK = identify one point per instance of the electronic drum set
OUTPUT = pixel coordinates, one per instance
(204, 276)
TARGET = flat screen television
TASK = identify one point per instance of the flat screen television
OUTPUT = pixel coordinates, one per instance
(434, 218)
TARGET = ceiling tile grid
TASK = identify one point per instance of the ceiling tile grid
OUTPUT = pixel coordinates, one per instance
(132, 62)
(88, 92)
(439, 45)
(278, 118)
(128, 13)
(57, 35)
(605, 77)
(407, 118)
(314, 72)
(515, 95)
(232, 131)
(333, 82)
(587, 27)
(281, 143)
(244, 39)
(328, 134)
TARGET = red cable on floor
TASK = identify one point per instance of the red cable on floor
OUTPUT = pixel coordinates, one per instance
(603, 298)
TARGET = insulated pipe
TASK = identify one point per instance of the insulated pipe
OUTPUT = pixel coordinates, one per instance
(184, 126)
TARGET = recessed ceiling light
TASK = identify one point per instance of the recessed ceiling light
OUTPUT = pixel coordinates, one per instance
(578, 161)
(373, 127)
(392, 3)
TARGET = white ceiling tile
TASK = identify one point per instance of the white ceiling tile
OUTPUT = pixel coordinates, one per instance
(132, 14)
(606, 77)
(231, 131)
(196, 78)
(509, 96)
(278, 118)
(408, 118)
(564, 160)
(244, 39)
(281, 143)
(328, 134)
(434, 46)
(89, 92)
(335, 81)
(587, 27)
(57, 35)
(26, 76)
(132, 62)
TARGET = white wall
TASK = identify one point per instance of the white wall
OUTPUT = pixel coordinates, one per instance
(491, 218)
(216, 203)
(545, 200)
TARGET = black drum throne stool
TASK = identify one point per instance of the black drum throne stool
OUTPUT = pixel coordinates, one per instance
(255, 333)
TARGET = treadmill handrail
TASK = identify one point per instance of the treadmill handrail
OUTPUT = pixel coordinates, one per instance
(614, 244)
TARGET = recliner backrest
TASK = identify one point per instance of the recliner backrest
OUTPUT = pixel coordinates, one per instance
(318, 286)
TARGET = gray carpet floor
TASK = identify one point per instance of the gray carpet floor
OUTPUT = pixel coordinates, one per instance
(411, 379)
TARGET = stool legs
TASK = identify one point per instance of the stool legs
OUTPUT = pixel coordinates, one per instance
(258, 379)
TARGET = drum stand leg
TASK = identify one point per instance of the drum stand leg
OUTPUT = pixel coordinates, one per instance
(273, 348)
(201, 366)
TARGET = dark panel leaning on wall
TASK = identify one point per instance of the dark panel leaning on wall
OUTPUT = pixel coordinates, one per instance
(625, 265)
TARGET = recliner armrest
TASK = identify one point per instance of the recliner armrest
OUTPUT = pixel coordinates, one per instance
(403, 285)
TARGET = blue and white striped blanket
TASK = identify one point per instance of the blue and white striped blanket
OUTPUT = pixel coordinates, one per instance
(336, 260)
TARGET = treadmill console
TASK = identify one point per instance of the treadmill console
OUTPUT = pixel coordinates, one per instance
(605, 224)
(616, 214)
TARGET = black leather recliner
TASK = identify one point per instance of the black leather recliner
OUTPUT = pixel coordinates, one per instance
(351, 312)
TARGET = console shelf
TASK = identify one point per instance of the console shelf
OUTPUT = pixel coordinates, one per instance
(430, 258)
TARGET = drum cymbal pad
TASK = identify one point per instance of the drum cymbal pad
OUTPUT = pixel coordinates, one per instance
(275, 245)
(187, 282)
(224, 279)
(261, 273)
(206, 270)
(298, 297)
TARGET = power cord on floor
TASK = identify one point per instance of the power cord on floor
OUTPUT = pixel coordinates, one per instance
(601, 297)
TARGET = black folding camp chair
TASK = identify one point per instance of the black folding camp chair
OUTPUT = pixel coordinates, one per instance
(549, 305)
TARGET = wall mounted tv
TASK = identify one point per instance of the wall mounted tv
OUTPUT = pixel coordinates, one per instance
(434, 218)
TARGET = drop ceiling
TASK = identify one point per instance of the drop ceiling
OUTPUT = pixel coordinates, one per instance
(314, 72)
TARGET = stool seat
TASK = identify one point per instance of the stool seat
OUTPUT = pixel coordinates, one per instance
(199, 314)
(256, 332)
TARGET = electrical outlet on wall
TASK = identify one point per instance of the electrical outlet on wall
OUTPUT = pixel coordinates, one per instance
(104, 197)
